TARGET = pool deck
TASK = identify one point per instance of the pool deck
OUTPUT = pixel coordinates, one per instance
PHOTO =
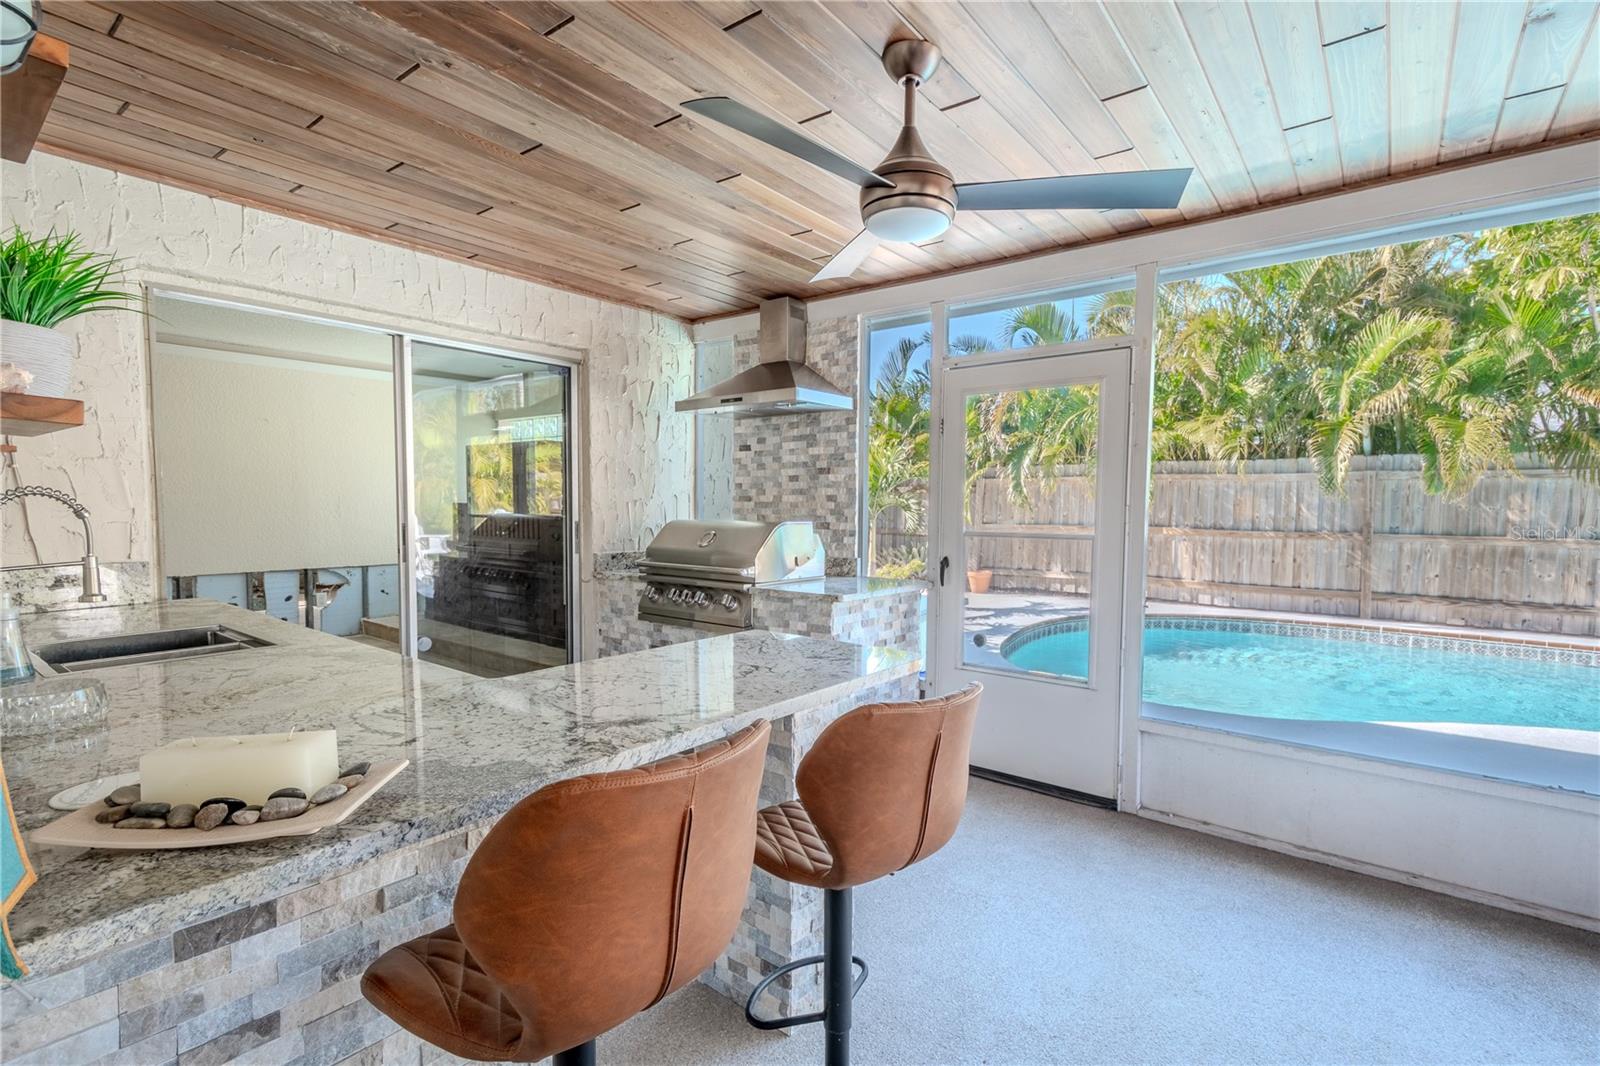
(996, 615)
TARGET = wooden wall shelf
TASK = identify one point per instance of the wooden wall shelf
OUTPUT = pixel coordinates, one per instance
(22, 415)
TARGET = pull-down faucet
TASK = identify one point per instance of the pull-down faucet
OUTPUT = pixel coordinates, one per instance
(91, 565)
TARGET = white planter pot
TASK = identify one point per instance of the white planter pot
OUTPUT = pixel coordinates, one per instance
(44, 353)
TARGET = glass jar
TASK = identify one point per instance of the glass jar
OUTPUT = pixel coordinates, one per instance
(15, 665)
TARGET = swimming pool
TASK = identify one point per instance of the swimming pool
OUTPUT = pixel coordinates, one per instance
(1338, 673)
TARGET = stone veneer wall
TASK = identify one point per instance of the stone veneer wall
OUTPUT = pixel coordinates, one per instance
(805, 466)
(637, 453)
(278, 982)
(887, 621)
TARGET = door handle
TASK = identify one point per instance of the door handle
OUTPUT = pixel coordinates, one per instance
(944, 564)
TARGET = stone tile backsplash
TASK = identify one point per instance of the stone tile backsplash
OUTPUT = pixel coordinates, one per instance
(804, 466)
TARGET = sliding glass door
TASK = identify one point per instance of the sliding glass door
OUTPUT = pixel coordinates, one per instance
(404, 493)
(490, 525)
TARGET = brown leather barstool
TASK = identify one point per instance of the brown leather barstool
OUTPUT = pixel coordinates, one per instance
(883, 787)
(587, 902)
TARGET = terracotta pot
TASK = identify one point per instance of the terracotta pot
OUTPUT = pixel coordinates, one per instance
(44, 353)
(978, 580)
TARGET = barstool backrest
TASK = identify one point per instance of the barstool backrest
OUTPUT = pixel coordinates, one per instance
(596, 896)
(885, 784)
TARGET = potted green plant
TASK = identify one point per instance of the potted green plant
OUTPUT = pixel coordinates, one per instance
(43, 282)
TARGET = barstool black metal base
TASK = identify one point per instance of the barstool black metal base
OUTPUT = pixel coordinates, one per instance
(582, 1055)
(839, 981)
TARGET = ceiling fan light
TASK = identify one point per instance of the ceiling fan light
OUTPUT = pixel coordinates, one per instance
(19, 21)
(908, 223)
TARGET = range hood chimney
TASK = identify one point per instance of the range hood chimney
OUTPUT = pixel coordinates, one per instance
(781, 383)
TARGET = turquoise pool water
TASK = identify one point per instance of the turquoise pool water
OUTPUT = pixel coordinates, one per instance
(1258, 669)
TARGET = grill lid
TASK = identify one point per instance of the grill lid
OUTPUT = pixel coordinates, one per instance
(757, 551)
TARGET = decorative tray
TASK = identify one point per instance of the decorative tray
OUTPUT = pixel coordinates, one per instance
(80, 830)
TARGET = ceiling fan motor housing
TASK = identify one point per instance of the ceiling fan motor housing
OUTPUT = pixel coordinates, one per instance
(922, 202)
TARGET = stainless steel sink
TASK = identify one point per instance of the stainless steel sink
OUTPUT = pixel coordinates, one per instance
(126, 649)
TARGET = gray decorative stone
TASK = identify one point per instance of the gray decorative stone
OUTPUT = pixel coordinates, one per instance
(182, 816)
(151, 809)
(208, 936)
(283, 807)
(122, 797)
(293, 793)
(233, 803)
(355, 768)
(247, 816)
(352, 780)
(112, 815)
(142, 823)
(211, 815)
(329, 792)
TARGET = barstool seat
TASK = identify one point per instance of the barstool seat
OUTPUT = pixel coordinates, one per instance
(588, 902)
(446, 997)
(789, 846)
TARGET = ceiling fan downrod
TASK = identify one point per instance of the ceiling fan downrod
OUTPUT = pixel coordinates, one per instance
(922, 203)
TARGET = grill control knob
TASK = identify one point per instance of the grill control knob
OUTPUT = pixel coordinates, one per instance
(675, 594)
(728, 602)
(652, 593)
(701, 599)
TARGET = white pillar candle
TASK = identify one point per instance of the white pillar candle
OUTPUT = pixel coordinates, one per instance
(247, 767)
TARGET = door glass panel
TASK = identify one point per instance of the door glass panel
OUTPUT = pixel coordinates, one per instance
(492, 512)
(1028, 528)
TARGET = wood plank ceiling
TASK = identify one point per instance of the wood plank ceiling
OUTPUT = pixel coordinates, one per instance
(545, 139)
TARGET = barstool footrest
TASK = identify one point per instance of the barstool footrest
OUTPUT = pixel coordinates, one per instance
(798, 1019)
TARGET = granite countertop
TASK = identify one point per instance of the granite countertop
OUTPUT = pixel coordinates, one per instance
(476, 746)
(844, 588)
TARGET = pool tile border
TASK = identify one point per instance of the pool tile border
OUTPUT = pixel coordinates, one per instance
(1385, 636)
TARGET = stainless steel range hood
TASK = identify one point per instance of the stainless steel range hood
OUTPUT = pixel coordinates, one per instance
(782, 383)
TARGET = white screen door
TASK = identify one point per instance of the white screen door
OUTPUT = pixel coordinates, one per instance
(1028, 559)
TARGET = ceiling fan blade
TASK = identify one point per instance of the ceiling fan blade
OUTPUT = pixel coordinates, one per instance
(1095, 192)
(846, 259)
(755, 124)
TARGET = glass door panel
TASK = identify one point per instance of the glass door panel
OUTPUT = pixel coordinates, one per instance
(1032, 488)
(1028, 525)
(491, 446)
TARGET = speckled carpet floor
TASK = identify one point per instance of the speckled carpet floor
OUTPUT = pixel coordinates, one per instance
(1049, 932)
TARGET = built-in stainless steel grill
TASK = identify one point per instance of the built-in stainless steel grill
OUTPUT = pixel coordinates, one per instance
(703, 573)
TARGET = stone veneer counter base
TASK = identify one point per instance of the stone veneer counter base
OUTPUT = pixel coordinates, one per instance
(255, 951)
(869, 611)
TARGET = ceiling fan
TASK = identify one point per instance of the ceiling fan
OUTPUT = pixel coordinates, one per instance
(910, 196)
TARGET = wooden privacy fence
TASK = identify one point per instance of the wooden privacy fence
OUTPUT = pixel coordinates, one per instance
(1520, 551)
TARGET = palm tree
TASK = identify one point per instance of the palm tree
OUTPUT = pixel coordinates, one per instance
(1374, 383)
(1039, 324)
(1467, 350)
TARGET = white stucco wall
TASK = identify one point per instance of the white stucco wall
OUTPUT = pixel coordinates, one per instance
(637, 453)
